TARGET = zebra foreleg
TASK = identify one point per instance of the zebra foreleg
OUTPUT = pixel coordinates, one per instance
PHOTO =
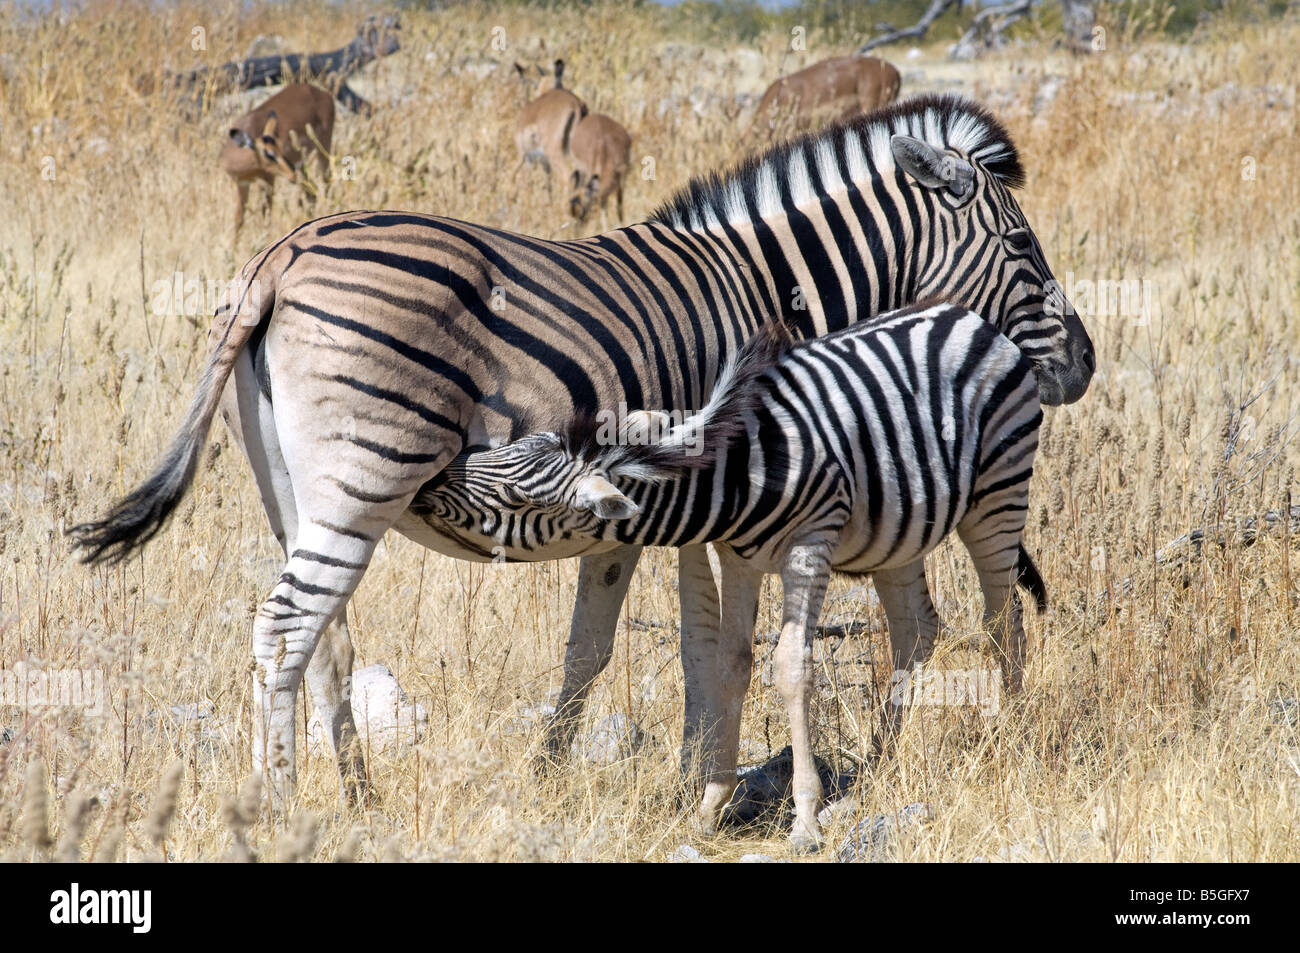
(913, 629)
(602, 584)
(700, 636)
(739, 584)
(804, 575)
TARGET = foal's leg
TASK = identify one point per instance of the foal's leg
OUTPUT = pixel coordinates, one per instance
(803, 577)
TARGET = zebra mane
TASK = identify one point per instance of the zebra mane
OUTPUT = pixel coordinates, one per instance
(711, 429)
(859, 144)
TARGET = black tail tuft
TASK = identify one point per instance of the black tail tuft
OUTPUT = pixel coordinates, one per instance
(1028, 578)
(137, 517)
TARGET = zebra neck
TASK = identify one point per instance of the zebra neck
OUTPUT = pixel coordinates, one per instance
(825, 261)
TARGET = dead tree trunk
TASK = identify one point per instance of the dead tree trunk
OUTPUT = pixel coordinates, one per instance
(988, 26)
(375, 38)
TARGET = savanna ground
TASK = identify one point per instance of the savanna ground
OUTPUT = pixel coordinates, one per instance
(1160, 723)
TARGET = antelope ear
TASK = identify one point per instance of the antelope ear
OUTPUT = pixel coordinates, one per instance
(931, 167)
(520, 69)
(643, 426)
(597, 495)
(272, 124)
(241, 138)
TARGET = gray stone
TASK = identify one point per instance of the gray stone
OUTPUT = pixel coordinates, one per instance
(1285, 710)
(615, 738)
(876, 839)
(757, 859)
(685, 854)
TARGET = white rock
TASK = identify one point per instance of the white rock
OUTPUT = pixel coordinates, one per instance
(386, 718)
(757, 859)
(686, 854)
(876, 838)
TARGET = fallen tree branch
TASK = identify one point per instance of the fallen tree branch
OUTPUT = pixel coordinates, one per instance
(936, 9)
(1245, 531)
(375, 38)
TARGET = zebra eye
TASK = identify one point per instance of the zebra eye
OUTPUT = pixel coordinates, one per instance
(1019, 239)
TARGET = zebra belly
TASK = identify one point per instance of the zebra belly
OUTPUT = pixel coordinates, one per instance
(898, 539)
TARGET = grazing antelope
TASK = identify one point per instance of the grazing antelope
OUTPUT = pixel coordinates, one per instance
(827, 91)
(357, 356)
(275, 139)
(601, 152)
(858, 451)
(545, 125)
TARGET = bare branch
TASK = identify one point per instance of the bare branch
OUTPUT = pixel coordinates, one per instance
(936, 9)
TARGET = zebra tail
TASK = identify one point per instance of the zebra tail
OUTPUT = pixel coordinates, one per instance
(1028, 578)
(138, 516)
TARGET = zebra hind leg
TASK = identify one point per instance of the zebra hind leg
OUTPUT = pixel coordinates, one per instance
(996, 556)
(248, 415)
(329, 676)
(803, 578)
(318, 579)
(700, 634)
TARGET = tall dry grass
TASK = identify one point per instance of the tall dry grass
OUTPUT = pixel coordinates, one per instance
(1160, 715)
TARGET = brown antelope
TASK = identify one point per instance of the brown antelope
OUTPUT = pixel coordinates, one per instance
(827, 91)
(600, 150)
(545, 125)
(275, 139)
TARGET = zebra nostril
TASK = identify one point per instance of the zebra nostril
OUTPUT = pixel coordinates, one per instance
(1088, 357)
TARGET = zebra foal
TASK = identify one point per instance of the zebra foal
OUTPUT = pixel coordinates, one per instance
(857, 452)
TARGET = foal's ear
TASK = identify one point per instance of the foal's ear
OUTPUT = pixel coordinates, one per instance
(597, 495)
(644, 426)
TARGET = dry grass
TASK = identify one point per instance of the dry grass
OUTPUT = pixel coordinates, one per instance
(1157, 725)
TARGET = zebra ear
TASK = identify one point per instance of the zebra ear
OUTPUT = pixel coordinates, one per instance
(933, 168)
(597, 495)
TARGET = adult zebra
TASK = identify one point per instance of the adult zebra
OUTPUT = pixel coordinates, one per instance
(362, 352)
(857, 451)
